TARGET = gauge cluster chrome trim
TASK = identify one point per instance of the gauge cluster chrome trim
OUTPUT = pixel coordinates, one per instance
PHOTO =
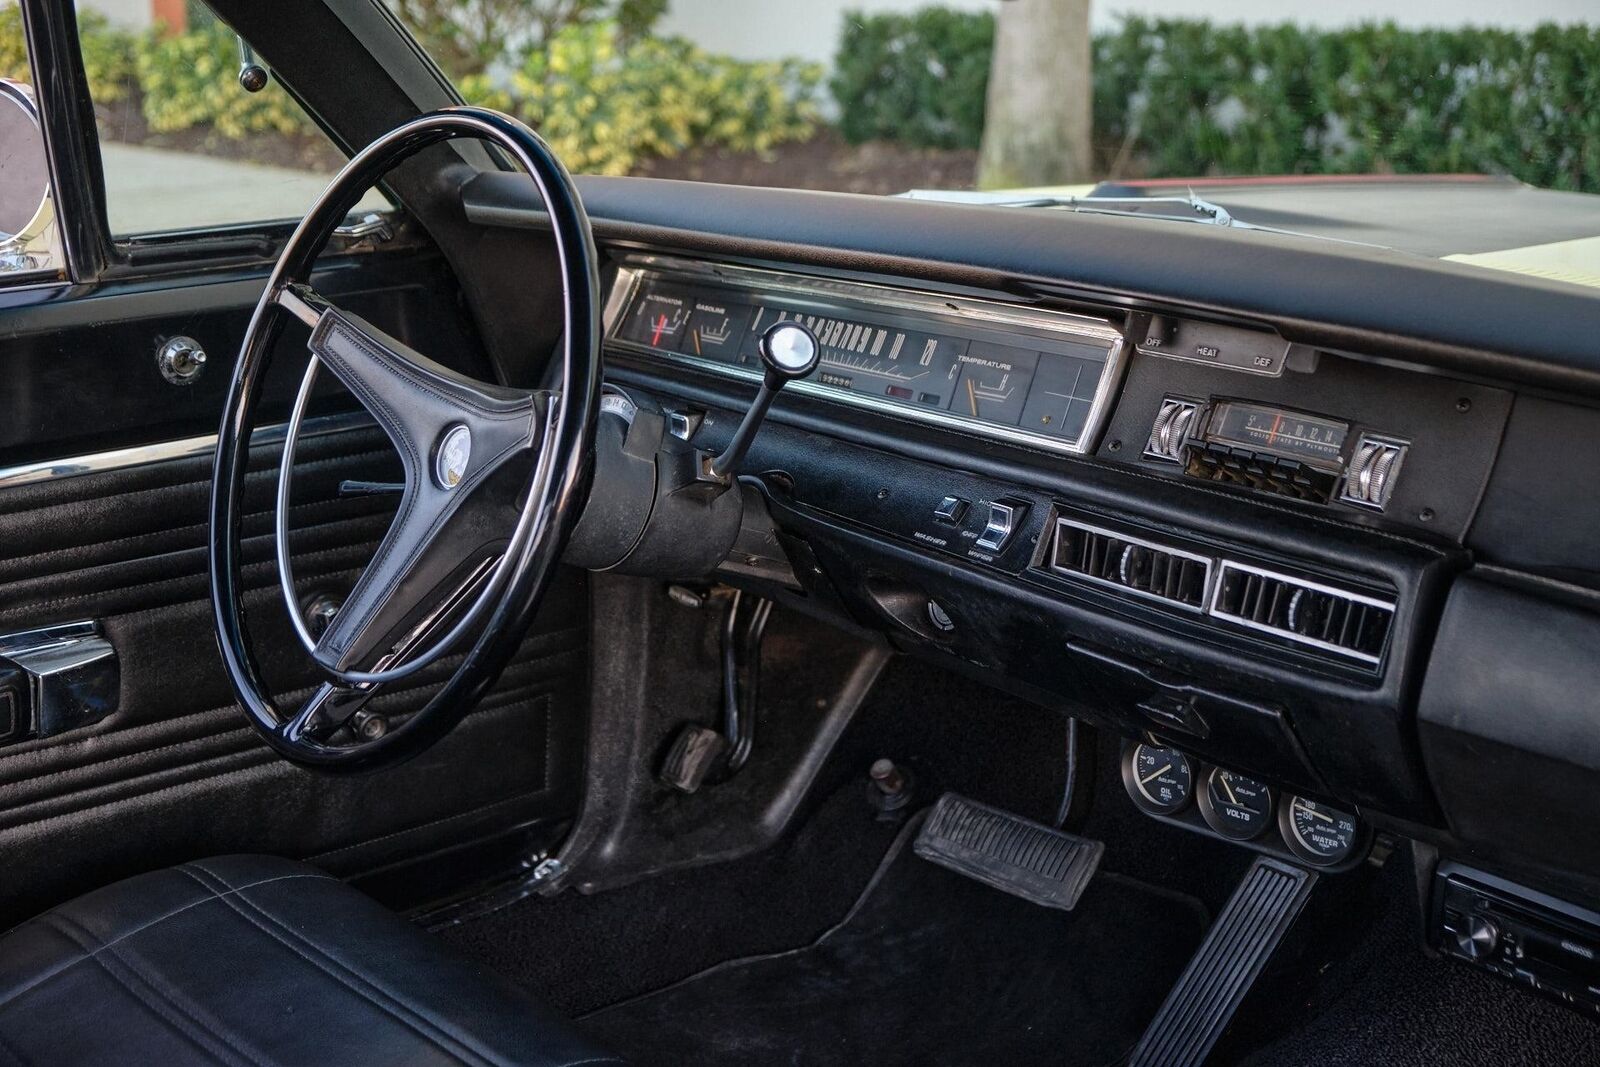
(984, 313)
(162, 451)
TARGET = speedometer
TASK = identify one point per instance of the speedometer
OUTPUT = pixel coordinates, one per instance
(1312, 439)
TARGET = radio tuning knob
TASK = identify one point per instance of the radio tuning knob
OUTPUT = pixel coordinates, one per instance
(1478, 938)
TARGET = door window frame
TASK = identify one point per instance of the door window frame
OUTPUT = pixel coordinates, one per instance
(89, 252)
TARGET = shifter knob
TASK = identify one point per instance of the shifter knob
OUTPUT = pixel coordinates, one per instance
(789, 350)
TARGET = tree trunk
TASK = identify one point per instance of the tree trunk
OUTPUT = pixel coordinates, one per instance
(1041, 91)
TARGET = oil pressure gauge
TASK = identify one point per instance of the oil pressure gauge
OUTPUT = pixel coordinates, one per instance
(1160, 780)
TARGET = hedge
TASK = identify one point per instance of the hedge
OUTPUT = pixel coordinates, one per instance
(605, 102)
(603, 98)
(1181, 97)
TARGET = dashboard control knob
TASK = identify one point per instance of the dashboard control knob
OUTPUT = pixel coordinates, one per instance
(1171, 429)
(997, 531)
(1478, 937)
(952, 509)
(1370, 478)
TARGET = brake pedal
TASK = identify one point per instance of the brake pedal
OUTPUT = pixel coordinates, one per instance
(695, 752)
(1007, 852)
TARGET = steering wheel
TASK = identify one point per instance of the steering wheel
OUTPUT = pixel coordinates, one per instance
(474, 541)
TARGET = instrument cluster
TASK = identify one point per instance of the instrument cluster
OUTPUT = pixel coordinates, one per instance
(1024, 374)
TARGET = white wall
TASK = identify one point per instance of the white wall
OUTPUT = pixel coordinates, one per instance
(762, 29)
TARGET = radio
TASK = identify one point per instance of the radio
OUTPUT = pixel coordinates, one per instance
(1276, 450)
(1528, 937)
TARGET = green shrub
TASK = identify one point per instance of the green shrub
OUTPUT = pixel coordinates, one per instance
(13, 47)
(190, 79)
(107, 53)
(918, 78)
(1182, 97)
(603, 103)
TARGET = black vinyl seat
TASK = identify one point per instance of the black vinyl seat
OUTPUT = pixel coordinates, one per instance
(255, 960)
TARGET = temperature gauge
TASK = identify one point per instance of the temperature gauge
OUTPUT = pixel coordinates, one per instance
(1317, 833)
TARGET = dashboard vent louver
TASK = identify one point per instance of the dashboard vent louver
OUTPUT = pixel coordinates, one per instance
(1129, 563)
(1332, 619)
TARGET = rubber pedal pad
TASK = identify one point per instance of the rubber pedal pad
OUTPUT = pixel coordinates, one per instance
(1038, 863)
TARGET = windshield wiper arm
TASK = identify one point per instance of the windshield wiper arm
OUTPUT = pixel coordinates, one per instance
(1203, 211)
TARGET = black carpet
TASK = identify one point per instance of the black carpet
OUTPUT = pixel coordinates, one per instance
(1383, 1002)
(931, 967)
(584, 952)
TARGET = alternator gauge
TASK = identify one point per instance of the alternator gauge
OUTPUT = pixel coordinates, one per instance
(1317, 833)
(1235, 806)
(1160, 780)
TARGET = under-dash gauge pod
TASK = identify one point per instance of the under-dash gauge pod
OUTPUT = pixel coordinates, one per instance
(1160, 780)
(1235, 806)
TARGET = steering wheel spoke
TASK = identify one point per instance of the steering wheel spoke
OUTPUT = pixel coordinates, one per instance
(325, 711)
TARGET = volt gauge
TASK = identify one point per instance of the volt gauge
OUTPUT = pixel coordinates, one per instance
(1236, 806)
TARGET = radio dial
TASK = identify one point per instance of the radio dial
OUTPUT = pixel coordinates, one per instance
(1478, 938)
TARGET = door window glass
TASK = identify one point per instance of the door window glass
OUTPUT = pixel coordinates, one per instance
(184, 144)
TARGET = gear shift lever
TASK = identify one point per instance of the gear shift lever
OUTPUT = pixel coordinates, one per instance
(789, 351)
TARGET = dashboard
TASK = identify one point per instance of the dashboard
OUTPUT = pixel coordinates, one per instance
(1283, 553)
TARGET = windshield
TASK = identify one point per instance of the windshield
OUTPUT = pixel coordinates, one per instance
(1430, 127)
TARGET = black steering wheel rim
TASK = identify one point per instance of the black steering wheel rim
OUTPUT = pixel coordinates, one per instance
(524, 574)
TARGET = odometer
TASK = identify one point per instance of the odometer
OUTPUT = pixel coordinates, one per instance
(1311, 439)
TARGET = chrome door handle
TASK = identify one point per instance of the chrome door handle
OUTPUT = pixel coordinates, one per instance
(56, 679)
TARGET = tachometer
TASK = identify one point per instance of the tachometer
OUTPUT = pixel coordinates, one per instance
(1318, 833)
(1159, 780)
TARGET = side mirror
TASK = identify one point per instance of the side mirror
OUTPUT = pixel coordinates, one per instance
(25, 208)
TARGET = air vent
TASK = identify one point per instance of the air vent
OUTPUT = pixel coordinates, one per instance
(1335, 620)
(1131, 564)
(1171, 429)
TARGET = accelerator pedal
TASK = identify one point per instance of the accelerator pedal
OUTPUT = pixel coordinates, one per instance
(1240, 942)
(1027, 859)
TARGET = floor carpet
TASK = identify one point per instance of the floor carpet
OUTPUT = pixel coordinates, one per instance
(931, 967)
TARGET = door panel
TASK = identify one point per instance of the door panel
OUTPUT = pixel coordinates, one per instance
(175, 773)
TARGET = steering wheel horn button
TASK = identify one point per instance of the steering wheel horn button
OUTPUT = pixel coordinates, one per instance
(451, 458)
